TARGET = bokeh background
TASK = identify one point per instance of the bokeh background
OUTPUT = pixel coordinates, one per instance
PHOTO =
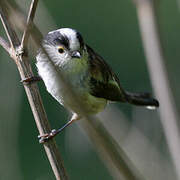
(111, 28)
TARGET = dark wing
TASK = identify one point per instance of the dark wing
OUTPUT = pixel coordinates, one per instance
(103, 82)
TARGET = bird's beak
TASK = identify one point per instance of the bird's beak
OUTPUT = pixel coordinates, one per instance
(76, 54)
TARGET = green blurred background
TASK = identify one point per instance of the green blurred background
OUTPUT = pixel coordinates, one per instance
(111, 28)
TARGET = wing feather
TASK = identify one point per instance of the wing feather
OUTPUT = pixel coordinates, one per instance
(103, 82)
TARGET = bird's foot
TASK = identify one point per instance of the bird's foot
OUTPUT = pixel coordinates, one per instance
(31, 79)
(45, 137)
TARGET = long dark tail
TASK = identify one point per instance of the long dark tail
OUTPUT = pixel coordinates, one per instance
(142, 99)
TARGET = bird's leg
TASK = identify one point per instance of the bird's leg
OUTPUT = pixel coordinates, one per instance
(31, 79)
(45, 137)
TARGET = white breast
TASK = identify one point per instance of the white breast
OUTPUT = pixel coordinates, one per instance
(78, 80)
(51, 79)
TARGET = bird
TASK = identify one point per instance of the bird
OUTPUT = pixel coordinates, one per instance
(92, 79)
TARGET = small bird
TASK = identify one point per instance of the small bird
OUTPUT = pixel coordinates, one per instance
(89, 75)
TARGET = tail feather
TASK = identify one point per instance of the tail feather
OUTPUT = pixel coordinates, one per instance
(142, 99)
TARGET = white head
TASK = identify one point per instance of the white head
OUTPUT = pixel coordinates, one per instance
(63, 45)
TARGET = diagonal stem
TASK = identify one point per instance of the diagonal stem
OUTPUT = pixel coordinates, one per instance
(155, 60)
(11, 34)
(33, 94)
(30, 18)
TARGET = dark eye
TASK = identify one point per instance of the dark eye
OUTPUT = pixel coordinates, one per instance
(61, 50)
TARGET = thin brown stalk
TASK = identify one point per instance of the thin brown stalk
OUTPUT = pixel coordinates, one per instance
(33, 94)
(155, 61)
(111, 153)
(13, 40)
(30, 18)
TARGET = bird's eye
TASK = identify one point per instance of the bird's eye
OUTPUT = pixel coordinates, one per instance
(61, 50)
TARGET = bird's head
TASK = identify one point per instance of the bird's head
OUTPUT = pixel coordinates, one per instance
(64, 45)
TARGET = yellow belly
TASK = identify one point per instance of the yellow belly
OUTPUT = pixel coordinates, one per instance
(90, 104)
(93, 104)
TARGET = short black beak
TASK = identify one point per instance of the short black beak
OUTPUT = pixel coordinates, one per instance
(76, 54)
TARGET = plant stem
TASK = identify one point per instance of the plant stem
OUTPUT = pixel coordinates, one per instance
(155, 61)
(32, 91)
